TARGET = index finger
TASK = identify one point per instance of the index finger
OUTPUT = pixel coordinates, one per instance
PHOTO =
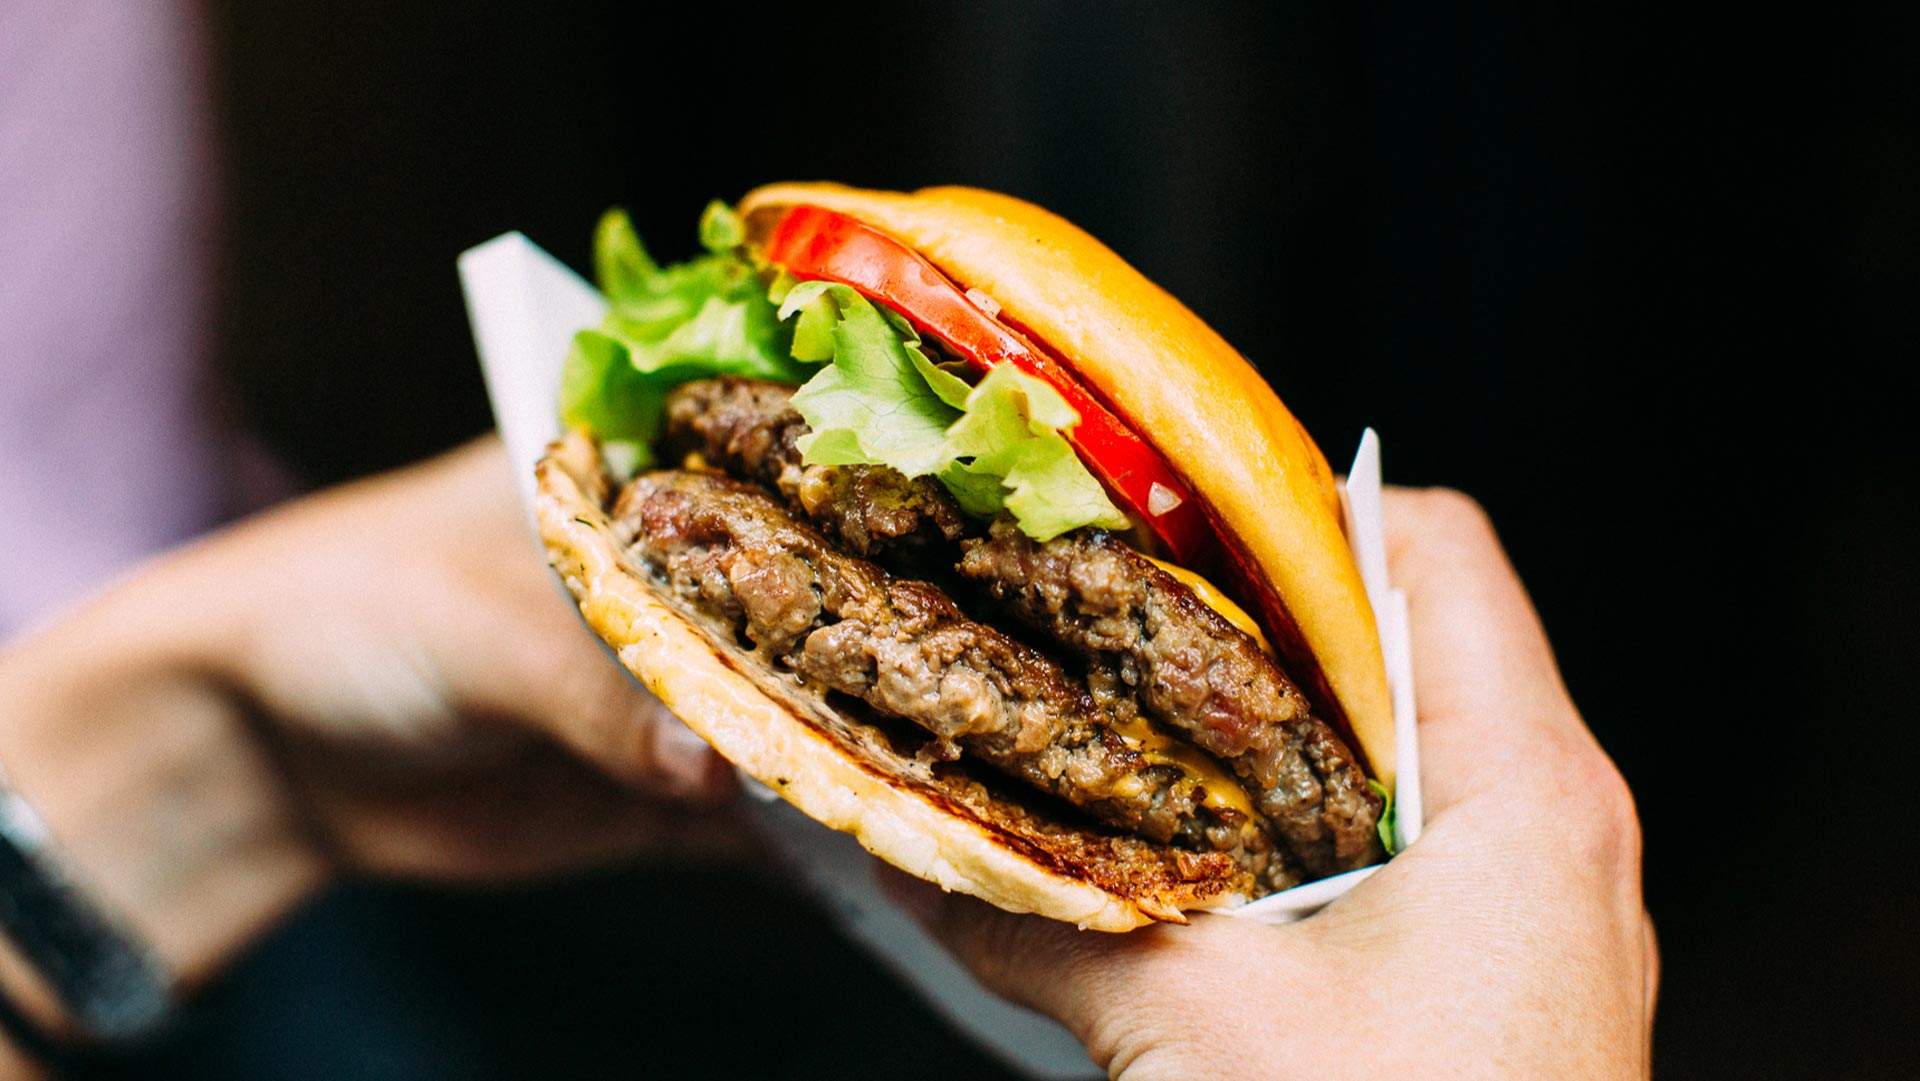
(1489, 691)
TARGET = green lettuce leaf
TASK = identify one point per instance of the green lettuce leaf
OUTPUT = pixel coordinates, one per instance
(711, 311)
(1012, 428)
(1387, 813)
(883, 401)
(601, 392)
(1051, 492)
(871, 405)
(814, 314)
(978, 491)
(604, 391)
(620, 262)
(668, 325)
(945, 385)
(720, 228)
(876, 397)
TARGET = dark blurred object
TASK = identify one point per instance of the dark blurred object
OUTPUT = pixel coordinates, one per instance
(1642, 284)
(629, 972)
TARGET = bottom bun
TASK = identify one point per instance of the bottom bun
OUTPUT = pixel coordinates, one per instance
(936, 822)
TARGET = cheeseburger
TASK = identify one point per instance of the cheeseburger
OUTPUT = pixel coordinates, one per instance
(938, 519)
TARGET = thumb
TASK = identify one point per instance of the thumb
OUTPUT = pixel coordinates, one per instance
(474, 618)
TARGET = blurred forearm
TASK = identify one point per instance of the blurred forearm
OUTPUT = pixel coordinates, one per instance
(139, 762)
(344, 685)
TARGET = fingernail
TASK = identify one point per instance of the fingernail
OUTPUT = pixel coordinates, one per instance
(683, 757)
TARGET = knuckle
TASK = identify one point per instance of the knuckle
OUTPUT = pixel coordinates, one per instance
(1455, 510)
(1177, 1030)
(1134, 1037)
(1604, 825)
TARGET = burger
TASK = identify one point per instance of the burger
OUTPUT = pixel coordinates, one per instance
(938, 519)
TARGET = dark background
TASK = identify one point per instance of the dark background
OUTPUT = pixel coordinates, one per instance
(1643, 283)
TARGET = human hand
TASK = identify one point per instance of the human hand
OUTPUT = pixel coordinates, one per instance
(377, 679)
(1509, 941)
(436, 703)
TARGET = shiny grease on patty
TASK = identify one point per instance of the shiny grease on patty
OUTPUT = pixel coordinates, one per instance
(1149, 646)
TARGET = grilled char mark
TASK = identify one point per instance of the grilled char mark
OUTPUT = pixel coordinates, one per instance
(744, 427)
(1143, 634)
(1146, 636)
(907, 650)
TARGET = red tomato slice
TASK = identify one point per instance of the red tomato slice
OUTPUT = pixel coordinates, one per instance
(811, 242)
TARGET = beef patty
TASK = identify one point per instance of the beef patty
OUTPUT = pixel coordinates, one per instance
(1145, 638)
(745, 427)
(907, 650)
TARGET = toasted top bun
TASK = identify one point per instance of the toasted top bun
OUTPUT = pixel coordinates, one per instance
(940, 826)
(1184, 389)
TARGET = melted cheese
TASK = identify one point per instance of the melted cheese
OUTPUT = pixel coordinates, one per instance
(1223, 793)
(1211, 596)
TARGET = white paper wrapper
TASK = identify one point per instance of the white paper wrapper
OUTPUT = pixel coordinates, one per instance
(525, 306)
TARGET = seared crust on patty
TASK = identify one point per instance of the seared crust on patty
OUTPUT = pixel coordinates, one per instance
(1190, 669)
(1145, 636)
(929, 819)
(905, 649)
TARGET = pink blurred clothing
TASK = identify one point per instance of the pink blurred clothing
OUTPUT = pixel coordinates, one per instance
(109, 447)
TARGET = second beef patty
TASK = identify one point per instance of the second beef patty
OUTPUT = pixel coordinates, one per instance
(904, 648)
(1146, 641)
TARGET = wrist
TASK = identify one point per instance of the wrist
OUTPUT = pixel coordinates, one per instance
(159, 803)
